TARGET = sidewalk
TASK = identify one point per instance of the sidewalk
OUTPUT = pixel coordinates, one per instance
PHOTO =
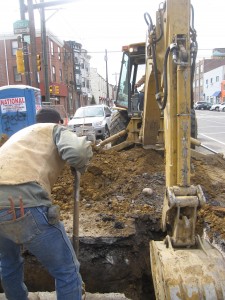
(52, 296)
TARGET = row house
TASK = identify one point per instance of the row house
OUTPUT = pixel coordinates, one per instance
(81, 69)
(68, 67)
(99, 89)
(205, 84)
(212, 84)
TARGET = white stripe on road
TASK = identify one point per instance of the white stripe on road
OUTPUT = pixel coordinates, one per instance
(211, 138)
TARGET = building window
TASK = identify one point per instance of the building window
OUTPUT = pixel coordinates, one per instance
(83, 82)
(88, 84)
(207, 81)
(200, 82)
(211, 80)
(201, 68)
(217, 78)
(59, 53)
(53, 74)
(197, 83)
(197, 68)
(14, 47)
(224, 86)
(17, 76)
(51, 48)
(60, 74)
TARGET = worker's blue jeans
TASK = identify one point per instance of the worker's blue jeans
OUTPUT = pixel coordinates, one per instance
(49, 243)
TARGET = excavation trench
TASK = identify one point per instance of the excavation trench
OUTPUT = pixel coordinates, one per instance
(108, 264)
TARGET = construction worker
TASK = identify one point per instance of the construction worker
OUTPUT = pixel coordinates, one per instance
(30, 162)
(141, 92)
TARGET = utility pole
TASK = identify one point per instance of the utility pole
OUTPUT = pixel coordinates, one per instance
(30, 9)
(25, 47)
(33, 48)
(107, 84)
(44, 53)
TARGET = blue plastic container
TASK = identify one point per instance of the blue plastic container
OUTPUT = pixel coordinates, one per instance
(18, 106)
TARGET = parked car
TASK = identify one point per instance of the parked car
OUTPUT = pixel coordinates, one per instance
(222, 107)
(202, 105)
(215, 106)
(94, 117)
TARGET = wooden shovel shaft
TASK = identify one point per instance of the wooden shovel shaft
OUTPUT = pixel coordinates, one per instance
(76, 212)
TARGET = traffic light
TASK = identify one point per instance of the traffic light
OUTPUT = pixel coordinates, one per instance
(56, 90)
(20, 61)
(38, 62)
(50, 89)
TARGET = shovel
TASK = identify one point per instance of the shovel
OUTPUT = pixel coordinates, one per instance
(76, 212)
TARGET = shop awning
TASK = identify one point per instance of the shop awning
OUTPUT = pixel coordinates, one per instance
(216, 94)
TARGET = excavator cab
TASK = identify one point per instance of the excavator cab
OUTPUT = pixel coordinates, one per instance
(132, 66)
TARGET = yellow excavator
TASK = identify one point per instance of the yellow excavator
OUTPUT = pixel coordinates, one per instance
(184, 265)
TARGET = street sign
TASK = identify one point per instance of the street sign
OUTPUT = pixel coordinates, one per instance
(21, 26)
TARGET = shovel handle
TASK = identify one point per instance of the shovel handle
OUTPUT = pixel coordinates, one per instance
(76, 212)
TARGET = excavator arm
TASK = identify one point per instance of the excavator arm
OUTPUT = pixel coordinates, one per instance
(184, 266)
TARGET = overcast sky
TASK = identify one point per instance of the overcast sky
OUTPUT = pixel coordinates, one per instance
(109, 24)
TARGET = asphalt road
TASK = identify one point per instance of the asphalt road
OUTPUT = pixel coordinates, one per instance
(211, 130)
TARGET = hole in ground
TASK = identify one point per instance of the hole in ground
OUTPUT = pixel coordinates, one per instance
(108, 264)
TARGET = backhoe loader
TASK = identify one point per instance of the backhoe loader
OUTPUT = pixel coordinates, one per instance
(184, 265)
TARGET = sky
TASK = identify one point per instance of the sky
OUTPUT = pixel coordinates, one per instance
(101, 25)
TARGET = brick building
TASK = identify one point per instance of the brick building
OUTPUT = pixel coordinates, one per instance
(204, 66)
(64, 89)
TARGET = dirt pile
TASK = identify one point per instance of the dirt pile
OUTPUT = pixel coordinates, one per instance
(113, 191)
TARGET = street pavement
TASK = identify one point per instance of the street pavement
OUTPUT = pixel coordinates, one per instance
(211, 130)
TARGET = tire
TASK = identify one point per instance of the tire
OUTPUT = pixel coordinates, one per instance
(223, 109)
(217, 108)
(118, 123)
(106, 134)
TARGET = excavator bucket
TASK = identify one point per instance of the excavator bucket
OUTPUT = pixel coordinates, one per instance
(187, 274)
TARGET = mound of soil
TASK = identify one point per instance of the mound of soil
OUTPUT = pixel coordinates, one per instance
(119, 187)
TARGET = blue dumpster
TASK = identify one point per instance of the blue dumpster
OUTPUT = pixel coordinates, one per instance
(18, 107)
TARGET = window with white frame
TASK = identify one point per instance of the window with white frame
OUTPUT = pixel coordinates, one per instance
(51, 48)
(53, 74)
(60, 74)
(217, 78)
(14, 47)
(83, 82)
(59, 53)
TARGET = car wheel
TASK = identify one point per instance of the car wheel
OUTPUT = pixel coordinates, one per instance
(217, 108)
(106, 134)
(223, 109)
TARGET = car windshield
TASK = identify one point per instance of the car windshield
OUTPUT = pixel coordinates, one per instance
(89, 112)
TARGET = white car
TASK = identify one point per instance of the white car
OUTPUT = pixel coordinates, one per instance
(93, 117)
(222, 107)
(215, 106)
